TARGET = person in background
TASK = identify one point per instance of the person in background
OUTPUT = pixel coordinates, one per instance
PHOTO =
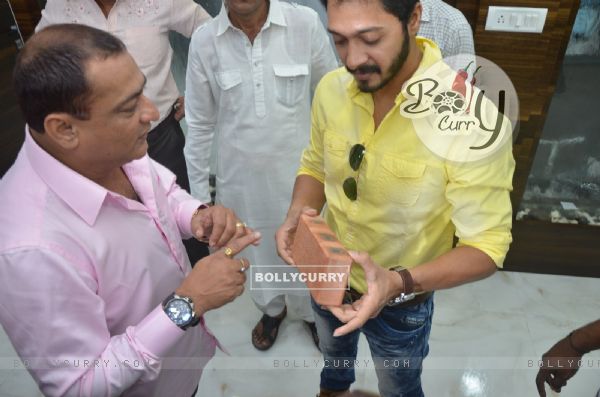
(250, 75)
(562, 361)
(144, 28)
(98, 296)
(447, 27)
(393, 203)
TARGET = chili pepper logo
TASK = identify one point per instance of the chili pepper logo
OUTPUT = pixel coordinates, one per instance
(453, 116)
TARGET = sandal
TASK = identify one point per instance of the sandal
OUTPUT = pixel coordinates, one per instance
(313, 331)
(264, 339)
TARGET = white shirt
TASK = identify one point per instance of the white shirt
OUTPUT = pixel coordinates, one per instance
(447, 27)
(143, 25)
(255, 99)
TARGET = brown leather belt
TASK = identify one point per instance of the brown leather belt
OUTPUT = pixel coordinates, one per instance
(352, 295)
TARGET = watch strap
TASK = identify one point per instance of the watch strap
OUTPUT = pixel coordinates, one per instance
(408, 285)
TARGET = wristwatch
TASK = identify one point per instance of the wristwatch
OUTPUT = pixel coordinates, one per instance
(408, 292)
(180, 310)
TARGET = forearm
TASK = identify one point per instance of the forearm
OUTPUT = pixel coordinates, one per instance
(308, 192)
(587, 338)
(456, 267)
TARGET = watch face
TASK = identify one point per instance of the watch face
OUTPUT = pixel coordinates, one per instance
(179, 311)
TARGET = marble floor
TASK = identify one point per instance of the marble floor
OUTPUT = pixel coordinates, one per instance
(485, 342)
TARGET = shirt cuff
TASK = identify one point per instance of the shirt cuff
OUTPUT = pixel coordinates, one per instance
(306, 171)
(157, 333)
(186, 211)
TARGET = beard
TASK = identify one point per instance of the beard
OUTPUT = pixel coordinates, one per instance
(393, 70)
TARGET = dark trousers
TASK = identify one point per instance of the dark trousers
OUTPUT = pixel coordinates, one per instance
(165, 145)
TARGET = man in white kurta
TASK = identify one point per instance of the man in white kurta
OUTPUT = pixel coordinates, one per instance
(250, 76)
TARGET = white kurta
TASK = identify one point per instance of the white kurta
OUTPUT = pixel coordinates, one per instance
(254, 99)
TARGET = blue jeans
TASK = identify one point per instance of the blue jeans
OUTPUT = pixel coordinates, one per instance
(398, 340)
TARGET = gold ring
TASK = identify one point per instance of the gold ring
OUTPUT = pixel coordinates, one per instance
(228, 252)
(240, 224)
(243, 268)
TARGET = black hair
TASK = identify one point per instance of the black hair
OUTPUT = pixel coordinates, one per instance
(50, 72)
(402, 9)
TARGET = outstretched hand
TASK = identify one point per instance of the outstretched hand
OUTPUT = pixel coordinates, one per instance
(382, 286)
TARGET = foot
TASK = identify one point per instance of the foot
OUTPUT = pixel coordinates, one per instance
(313, 332)
(265, 331)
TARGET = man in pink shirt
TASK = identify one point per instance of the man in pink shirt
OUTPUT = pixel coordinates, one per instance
(144, 26)
(98, 296)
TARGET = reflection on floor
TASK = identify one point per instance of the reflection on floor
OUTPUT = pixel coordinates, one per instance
(486, 341)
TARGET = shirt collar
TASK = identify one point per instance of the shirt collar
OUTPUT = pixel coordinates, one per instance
(426, 13)
(431, 54)
(84, 196)
(275, 16)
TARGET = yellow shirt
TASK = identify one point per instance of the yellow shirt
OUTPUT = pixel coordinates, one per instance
(410, 202)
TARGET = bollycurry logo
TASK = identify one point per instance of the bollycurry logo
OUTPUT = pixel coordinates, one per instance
(463, 108)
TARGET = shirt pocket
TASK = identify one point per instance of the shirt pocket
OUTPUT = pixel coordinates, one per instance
(230, 82)
(146, 45)
(290, 83)
(336, 149)
(400, 181)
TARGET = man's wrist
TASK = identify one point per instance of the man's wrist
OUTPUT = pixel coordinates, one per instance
(578, 341)
(181, 310)
(200, 208)
(397, 285)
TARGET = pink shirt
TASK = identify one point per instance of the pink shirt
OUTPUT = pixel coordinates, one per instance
(83, 272)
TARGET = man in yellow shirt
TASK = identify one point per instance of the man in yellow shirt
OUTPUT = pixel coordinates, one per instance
(390, 199)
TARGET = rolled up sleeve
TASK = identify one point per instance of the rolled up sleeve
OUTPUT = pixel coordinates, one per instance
(481, 207)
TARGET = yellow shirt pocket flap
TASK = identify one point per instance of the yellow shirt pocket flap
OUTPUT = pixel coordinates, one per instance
(335, 144)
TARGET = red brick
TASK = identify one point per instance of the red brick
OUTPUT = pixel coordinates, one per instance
(316, 249)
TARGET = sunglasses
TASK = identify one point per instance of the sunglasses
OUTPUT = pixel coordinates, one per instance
(357, 153)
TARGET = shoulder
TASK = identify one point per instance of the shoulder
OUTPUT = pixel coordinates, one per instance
(206, 31)
(297, 14)
(334, 84)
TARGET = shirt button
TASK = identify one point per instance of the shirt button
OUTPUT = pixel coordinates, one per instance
(258, 84)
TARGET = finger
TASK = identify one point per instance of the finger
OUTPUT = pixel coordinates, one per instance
(229, 230)
(309, 211)
(350, 326)
(238, 244)
(239, 267)
(249, 230)
(344, 313)
(218, 225)
(281, 240)
(362, 258)
(356, 305)
(539, 382)
(362, 316)
(239, 291)
(554, 381)
(240, 228)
